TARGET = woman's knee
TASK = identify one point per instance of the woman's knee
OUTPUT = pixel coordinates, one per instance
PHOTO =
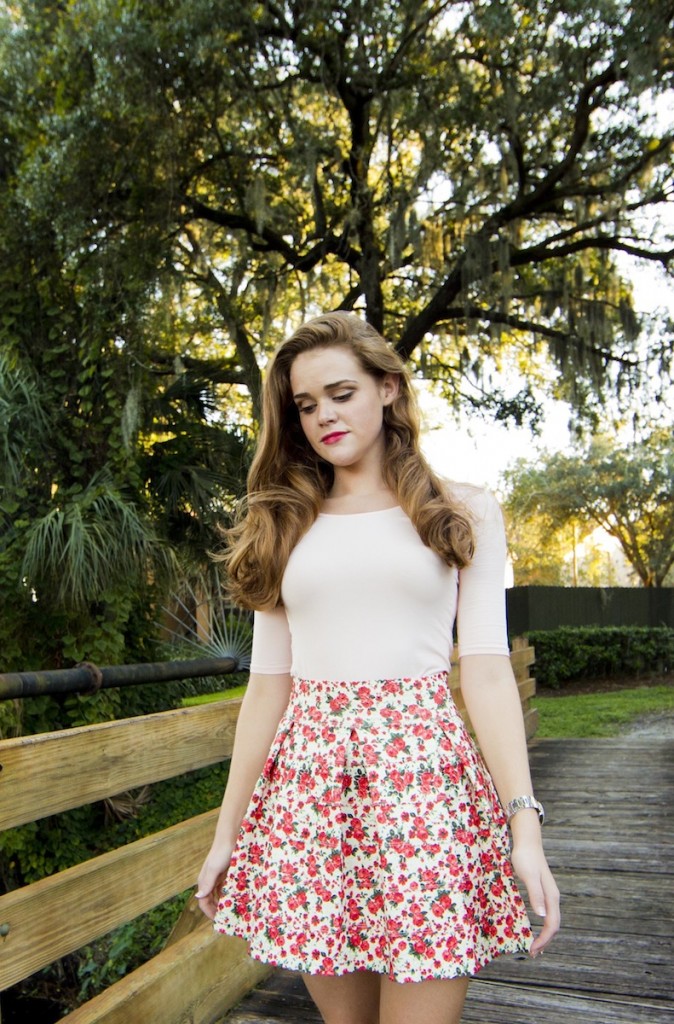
(347, 999)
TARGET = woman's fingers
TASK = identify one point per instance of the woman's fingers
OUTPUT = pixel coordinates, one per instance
(532, 868)
(544, 899)
(209, 884)
(208, 904)
(207, 896)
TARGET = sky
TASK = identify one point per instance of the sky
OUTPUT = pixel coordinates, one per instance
(472, 450)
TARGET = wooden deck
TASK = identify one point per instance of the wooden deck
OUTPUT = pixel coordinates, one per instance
(610, 840)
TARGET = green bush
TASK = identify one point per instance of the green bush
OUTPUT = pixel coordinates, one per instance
(604, 652)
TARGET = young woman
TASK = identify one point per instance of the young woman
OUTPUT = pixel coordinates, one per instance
(361, 839)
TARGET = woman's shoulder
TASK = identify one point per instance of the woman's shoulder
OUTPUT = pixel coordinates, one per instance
(479, 501)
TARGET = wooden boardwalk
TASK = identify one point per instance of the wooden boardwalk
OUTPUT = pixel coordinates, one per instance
(610, 841)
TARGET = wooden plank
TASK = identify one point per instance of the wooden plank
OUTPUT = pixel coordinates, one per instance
(521, 659)
(492, 1002)
(91, 762)
(597, 855)
(530, 722)
(526, 688)
(196, 979)
(609, 945)
(608, 773)
(190, 919)
(57, 915)
(579, 962)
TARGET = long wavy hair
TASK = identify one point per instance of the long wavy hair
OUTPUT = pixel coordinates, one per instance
(288, 481)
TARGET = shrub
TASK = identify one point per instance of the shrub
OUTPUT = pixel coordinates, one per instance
(587, 652)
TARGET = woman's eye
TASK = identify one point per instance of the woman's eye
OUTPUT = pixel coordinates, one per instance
(303, 409)
(344, 396)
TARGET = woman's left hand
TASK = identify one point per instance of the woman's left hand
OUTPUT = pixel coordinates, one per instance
(531, 866)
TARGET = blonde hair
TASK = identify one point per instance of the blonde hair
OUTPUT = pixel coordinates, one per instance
(288, 482)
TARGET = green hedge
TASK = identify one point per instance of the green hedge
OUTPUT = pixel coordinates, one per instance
(604, 652)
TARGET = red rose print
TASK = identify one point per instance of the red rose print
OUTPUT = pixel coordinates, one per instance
(374, 840)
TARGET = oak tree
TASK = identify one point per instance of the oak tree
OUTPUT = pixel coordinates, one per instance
(627, 490)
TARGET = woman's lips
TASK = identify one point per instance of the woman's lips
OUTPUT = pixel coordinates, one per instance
(333, 438)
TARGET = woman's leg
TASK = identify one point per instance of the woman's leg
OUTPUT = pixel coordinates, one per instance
(366, 998)
(348, 999)
(433, 1002)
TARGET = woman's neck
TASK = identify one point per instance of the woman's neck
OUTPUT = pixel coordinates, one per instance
(360, 499)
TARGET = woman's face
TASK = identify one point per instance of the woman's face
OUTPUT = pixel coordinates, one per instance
(341, 407)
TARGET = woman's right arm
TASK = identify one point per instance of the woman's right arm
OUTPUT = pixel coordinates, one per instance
(262, 707)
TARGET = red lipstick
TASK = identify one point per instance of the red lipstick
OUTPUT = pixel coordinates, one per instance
(337, 435)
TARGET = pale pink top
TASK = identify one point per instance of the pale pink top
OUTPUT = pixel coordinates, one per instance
(363, 598)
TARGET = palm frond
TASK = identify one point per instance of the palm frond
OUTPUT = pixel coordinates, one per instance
(23, 418)
(95, 539)
(224, 632)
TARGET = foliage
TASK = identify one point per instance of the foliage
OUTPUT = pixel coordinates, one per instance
(587, 652)
(107, 489)
(600, 714)
(627, 490)
(465, 173)
(200, 621)
(180, 182)
(77, 551)
(539, 554)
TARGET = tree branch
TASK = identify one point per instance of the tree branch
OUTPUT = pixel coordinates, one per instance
(542, 252)
(238, 333)
(274, 242)
(615, 185)
(532, 200)
(218, 371)
(494, 316)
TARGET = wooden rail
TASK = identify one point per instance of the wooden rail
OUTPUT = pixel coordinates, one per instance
(198, 975)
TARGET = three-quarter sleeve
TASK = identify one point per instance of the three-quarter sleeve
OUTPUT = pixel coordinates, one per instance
(481, 610)
(272, 652)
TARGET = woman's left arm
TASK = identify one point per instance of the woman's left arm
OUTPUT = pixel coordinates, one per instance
(493, 704)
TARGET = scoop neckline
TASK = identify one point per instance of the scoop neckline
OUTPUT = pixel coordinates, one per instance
(352, 515)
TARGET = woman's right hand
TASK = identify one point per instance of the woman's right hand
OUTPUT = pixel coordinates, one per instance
(211, 879)
(264, 702)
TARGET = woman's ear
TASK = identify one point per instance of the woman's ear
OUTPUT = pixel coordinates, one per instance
(390, 387)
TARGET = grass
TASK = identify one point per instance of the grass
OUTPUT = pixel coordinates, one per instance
(208, 698)
(600, 714)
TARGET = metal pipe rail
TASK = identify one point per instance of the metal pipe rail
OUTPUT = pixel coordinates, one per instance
(88, 678)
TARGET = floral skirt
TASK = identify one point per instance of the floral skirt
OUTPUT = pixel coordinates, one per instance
(374, 840)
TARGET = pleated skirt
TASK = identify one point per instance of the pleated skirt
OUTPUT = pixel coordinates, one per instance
(374, 840)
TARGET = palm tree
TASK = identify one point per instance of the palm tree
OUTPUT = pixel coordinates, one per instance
(89, 544)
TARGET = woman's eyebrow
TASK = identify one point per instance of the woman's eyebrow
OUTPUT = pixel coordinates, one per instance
(327, 387)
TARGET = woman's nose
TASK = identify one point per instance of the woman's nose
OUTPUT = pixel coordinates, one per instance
(326, 412)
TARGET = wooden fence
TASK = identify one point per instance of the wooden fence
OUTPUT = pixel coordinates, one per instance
(198, 975)
(532, 608)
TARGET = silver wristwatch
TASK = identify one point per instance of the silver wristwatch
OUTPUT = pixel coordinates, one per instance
(521, 802)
